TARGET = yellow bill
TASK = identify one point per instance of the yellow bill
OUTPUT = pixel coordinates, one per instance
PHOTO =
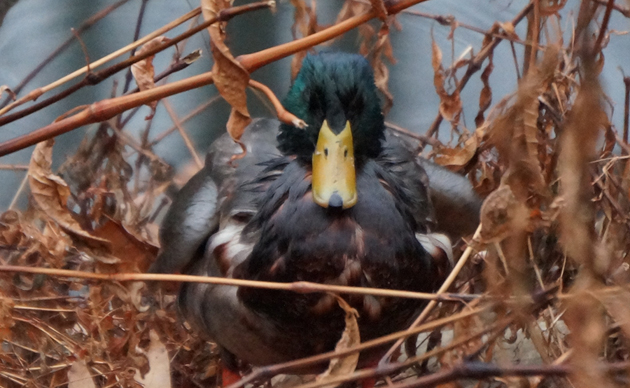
(334, 177)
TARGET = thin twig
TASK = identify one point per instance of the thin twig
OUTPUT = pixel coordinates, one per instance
(99, 76)
(200, 108)
(626, 109)
(136, 36)
(398, 366)
(39, 91)
(270, 371)
(475, 65)
(445, 286)
(83, 27)
(421, 138)
(283, 115)
(604, 26)
(451, 21)
(13, 167)
(19, 191)
(107, 109)
(177, 122)
(624, 11)
(299, 287)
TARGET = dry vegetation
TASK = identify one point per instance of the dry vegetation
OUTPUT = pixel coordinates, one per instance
(538, 298)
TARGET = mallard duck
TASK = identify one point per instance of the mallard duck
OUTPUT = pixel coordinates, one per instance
(338, 202)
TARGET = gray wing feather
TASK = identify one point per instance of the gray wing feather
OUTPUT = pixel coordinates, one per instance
(191, 218)
(195, 212)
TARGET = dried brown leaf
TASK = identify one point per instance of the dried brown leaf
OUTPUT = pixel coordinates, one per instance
(6, 318)
(584, 314)
(550, 7)
(143, 71)
(515, 132)
(618, 307)
(485, 97)
(230, 78)
(450, 104)
(304, 24)
(50, 192)
(508, 28)
(192, 57)
(138, 253)
(79, 376)
(502, 214)
(159, 376)
(349, 338)
(460, 156)
(436, 62)
(383, 48)
(379, 7)
(6, 89)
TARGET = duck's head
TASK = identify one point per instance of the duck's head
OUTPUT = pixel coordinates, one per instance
(334, 93)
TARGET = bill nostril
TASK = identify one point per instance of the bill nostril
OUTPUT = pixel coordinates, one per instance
(335, 201)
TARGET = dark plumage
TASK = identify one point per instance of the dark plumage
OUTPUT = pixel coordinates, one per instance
(336, 88)
(258, 221)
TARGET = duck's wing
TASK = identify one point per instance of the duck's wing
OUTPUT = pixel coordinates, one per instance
(455, 204)
(213, 193)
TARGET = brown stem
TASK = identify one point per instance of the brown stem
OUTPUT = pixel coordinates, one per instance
(103, 110)
(624, 11)
(604, 26)
(136, 36)
(535, 37)
(480, 370)
(451, 21)
(99, 76)
(301, 287)
(84, 26)
(421, 138)
(475, 65)
(283, 115)
(498, 328)
(106, 109)
(626, 109)
(270, 371)
(252, 62)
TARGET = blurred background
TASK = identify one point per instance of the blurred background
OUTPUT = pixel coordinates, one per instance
(32, 29)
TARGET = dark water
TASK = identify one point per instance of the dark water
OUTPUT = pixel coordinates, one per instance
(34, 28)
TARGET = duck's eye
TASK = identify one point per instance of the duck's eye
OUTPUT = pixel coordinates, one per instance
(345, 153)
(326, 152)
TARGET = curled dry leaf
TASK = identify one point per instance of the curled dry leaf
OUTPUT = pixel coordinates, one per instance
(283, 115)
(159, 376)
(508, 28)
(450, 104)
(6, 318)
(230, 78)
(374, 46)
(138, 252)
(501, 215)
(383, 48)
(143, 71)
(349, 338)
(192, 57)
(485, 97)
(460, 156)
(379, 7)
(515, 132)
(304, 24)
(618, 308)
(79, 376)
(50, 192)
(6, 89)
